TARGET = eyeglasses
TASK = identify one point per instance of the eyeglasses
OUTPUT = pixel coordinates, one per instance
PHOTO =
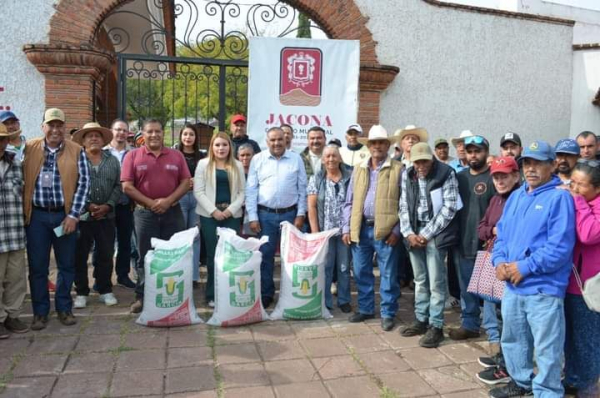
(475, 139)
(589, 162)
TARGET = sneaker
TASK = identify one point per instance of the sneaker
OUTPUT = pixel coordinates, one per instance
(510, 390)
(433, 337)
(490, 362)
(109, 299)
(493, 376)
(39, 322)
(126, 282)
(346, 308)
(414, 329)
(211, 303)
(16, 325)
(462, 334)
(66, 318)
(137, 306)
(80, 302)
(4, 334)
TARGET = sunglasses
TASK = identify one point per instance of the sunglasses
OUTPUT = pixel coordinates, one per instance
(589, 162)
(476, 139)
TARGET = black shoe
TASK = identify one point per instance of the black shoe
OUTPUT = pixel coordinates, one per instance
(463, 334)
(66, 318)
(510, 390)
(387, 324)
(346, 308)
(4, 334)
(39, 322)
(16, 325)
(266, 302)
(358, 317)
(414, 329)
(493, 376)
(490, 362)
(433, 337)
(126, 282)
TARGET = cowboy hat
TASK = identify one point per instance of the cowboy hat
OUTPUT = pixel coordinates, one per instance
(464, 134)
(412, 130)
(93, 126)
(376, 133)
(4, 132)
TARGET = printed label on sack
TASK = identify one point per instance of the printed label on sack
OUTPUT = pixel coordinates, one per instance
(169, 287)
(302, 249)
(164, 258)
(310, 310)
(233, 258)
(242, 291)
(304, 281)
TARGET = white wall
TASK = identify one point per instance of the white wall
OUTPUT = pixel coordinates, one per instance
(586, 81)
(23, 22)
(463, 70)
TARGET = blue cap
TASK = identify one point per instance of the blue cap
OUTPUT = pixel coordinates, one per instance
(568, 146)
(539, 150)
(6, 115)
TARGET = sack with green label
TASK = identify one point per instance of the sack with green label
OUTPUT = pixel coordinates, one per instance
(237, 280)
(168, 294)
(303, 259)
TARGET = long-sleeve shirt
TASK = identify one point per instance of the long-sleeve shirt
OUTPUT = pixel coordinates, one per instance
(53, 196)
(276, 183)
(441, 219)
(120, 155)
(586, 255)
(12, 221)
(105, 186)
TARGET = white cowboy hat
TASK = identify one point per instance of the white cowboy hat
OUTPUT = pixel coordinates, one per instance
(463, 134)
(376, 133)
(93, 126)
(414, 130)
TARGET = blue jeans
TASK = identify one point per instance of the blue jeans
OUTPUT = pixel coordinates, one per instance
(387, 260)
(269, 226)
(430, 283)
(469, 303)
(491, 324)
(535, 322)
(40, 238)
(190, 219)
(338, 258)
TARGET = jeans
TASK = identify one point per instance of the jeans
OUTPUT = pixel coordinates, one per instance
(124, 226)
(430, 283)
(469, 303)
(534, 323)
(150, 225)
(101, 234)
(338, 259)
(387, 260)
(582, 346)
(40, 239)
(269, 226)
(190, 219)
(491, 324)
(209, 226)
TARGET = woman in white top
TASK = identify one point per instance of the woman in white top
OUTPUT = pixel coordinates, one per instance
(219, 185)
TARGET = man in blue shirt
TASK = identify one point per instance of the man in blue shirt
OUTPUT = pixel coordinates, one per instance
(275, 192)
(533, 253)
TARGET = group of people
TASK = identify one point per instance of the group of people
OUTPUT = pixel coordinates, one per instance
(536, 208)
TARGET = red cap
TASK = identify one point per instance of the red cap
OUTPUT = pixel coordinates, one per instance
(504, 164)
(238, 118)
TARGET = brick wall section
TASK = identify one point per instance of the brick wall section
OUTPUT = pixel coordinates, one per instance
(72, 94)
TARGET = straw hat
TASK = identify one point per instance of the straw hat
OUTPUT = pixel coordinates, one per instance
(4, 132)
(412, 130)
(464, 134)
(93, 126)
(376, 133)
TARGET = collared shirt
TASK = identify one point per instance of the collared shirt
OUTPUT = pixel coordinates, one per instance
(18, 150)
(12, 221)
(276, 183)
(120, 155)
(52, 196)
(105, 187)
(155, 176)
(315, 162)
(457, 165)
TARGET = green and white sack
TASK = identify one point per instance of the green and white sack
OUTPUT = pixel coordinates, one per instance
(168, 294)
(237, 280)
(303, 259)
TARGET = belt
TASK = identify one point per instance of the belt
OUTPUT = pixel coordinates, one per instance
(139, 206)
(59, 209)
(277, 211)
(369, 222)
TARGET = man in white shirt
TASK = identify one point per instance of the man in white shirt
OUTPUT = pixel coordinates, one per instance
(354, 153)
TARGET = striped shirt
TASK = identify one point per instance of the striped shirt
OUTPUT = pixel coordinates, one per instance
(12, 222)
(105, 183)
(52, 196)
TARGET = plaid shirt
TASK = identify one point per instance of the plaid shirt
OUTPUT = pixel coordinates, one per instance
(53, 196)
(12, 220)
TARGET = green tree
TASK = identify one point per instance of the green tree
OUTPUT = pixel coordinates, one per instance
(303, 26)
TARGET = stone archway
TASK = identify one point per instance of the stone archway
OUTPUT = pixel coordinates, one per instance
(71, 64)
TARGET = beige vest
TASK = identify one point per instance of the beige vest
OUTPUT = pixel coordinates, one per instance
(67, 167)
(387, 197)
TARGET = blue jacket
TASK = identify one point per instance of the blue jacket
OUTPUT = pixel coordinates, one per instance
(537, 230)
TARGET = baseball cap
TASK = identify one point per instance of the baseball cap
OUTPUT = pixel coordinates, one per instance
(511, 137)
(440, 141)
(7, 115)
(54, 114)
(477, 141)
(568, 146)
(420, 151)
(355, 127)
(539, 150)
(504, 164)
(238, 118)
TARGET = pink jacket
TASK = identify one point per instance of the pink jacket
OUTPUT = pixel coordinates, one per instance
(587, 217)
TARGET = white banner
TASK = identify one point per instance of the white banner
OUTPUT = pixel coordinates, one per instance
(303, 83)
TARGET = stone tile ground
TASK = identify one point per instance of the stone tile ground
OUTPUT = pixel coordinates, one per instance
(107, 355)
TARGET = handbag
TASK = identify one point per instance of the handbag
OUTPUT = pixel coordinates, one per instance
(590, 290)
(483, 281)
